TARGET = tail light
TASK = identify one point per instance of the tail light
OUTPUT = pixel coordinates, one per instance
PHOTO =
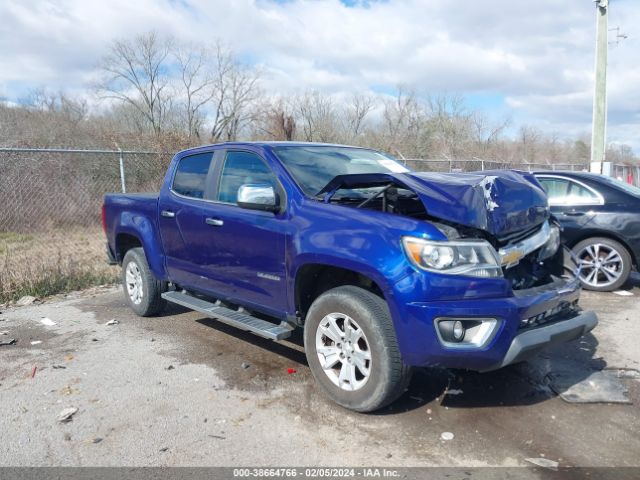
(104, 219)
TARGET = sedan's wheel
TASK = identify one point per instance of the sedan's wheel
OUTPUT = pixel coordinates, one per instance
(604, 264)
(352, 349)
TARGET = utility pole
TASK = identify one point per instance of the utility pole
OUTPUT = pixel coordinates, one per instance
(598, 135)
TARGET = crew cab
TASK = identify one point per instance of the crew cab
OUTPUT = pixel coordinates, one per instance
(384, 269)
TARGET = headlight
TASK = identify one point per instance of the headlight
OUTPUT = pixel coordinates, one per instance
(552, 244)
(470, 258)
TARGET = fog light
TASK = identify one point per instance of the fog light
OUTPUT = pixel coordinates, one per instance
(458, 330)
(465, 332)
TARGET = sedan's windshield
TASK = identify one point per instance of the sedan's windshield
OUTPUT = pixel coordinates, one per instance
(312, 167)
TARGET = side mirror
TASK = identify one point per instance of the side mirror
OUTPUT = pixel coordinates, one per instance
(257, 196)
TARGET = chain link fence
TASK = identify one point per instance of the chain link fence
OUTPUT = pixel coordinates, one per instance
(478, 164)
(627, 173)
(51, 238)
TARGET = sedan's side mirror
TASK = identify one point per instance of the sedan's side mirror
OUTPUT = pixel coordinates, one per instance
(258, 196)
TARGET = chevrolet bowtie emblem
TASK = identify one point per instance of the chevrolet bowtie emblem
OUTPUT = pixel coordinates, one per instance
(512, 256)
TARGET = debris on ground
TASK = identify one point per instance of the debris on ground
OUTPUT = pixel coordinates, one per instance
(543, 462)
(291, 371)
(33, 371)
(164, 449)
(48, 322)
(67, 414)
(26, 300)
(575, 386)
(9, 341)
(417, 399)
(626, 373)
(36, 342)
(96, 440)
(454, 391)
(56, 367)
(170, 367)
(446, 436)
(428, 411)
(623, 293)
(113, 321)
(68, 357)
(245, 365)
(4, 332)
(219, 437)
(67, 390)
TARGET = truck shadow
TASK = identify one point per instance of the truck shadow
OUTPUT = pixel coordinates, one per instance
(527, 383)
(292, 349)
(522, 384)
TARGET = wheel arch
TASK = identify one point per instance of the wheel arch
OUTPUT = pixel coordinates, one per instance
(124, 243)
(313, 279)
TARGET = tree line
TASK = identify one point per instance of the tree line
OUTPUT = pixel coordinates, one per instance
(155, 92)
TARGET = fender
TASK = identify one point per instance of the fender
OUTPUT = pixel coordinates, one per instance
(144, 229)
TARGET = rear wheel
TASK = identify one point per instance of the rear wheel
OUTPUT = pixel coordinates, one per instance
(605, 264)
(141, 289)
(352, 349)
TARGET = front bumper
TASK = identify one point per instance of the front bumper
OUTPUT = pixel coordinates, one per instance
(512, 340)
(531, 341)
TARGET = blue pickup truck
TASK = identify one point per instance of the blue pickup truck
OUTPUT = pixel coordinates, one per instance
(384, 269)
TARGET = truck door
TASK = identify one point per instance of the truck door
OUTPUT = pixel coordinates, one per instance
(180, 217)
(245, 258)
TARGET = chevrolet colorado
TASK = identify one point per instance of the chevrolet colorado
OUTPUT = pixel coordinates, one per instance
(384, 269)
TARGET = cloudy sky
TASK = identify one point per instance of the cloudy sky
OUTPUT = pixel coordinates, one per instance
(530, 60)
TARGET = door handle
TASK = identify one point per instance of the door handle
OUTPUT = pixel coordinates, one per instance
(168, 213)
(573, 214)
(214, 222)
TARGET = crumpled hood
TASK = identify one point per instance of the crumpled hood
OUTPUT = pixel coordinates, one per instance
(500, 202)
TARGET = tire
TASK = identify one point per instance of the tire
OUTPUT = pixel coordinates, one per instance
(367, 388)
(144, 298)
(618, 267)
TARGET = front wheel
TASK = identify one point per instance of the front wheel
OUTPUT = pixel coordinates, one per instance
(605, 264)
(142, 291)
(352, 349)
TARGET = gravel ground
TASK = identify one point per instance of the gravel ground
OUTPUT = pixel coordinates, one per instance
(184, 390)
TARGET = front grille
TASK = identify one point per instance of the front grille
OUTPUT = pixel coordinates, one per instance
(560, 312)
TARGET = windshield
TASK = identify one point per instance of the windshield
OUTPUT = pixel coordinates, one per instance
(312, 167)
(622, 185)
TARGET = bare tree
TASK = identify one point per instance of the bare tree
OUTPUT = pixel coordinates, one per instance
(136, 73)
(359, 107)
(236, 88)
(529, 139)
(318, 117)
(486, 134)
(274, 119)
(402, 123)
(197, 82)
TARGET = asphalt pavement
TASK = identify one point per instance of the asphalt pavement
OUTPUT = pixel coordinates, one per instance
(185, 390)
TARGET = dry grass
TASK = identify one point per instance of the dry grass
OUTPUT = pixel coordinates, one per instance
(41, 264)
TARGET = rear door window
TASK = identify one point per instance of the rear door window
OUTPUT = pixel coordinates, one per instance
(565, 192)
(190, 178)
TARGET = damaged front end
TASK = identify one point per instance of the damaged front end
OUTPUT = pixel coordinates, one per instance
(497, 223)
